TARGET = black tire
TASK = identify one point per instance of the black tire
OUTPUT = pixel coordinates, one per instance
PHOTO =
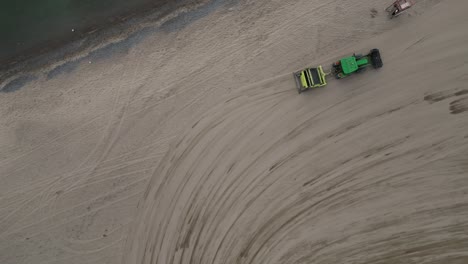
(361, 69)
(376, 60)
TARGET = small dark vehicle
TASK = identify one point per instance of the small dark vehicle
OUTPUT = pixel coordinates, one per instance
(398, 7)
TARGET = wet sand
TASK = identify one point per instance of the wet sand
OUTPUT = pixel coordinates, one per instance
(31, 29)
(191, 144)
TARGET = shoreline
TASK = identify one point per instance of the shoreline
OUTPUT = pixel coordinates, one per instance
(49, 56)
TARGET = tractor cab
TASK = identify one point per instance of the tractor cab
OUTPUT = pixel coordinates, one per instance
(352, 64)
(398, 7)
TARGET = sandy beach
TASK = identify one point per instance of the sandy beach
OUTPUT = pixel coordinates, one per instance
(187, 142)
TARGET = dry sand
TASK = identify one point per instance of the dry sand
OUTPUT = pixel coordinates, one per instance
(193, 146)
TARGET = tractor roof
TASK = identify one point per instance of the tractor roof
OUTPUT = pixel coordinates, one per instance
(349, 65)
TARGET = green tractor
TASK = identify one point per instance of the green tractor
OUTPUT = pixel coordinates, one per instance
(316, 77)
(356, 63)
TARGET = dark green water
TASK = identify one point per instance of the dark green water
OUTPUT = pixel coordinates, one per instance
(27, 26)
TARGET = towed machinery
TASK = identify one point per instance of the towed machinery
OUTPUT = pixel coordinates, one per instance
(315, 77)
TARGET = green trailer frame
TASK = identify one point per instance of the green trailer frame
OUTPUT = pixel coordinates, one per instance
(310, 78)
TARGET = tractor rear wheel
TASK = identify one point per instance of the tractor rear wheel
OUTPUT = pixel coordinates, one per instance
(376, 60)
